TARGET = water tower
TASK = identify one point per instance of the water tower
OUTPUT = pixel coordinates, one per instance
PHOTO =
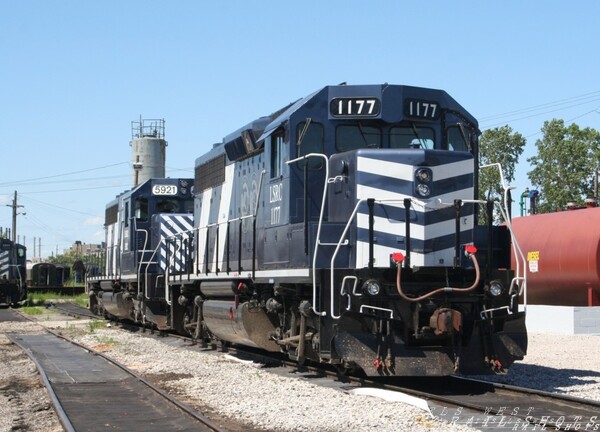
(148, 148)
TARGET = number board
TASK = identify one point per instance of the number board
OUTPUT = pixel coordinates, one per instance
(355, 107)
(421, 109)
(164, 190)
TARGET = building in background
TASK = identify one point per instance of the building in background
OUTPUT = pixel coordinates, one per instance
(83, 250)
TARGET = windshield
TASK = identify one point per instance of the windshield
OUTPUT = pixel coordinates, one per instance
(352, 137)
(456, 138)
(412, 137)
(311, 141)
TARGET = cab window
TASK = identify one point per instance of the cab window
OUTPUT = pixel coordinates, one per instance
(352, 137)
(141, 209)
(167, 205)
(409, 137)
(310, 140)
(456, 139)
(188, 205)
(126, 213)
(276, 155)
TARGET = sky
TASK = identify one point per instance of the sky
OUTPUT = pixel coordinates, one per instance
(74, 75)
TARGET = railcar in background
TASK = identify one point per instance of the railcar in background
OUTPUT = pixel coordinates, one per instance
(41, 275)
(13, 286)
(563, 256)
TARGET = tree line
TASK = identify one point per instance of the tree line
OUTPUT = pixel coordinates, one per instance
(563, 170)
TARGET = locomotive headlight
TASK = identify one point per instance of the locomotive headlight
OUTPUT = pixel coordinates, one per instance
(424, 175)
(495, 288)
(423, 190)
(371, 287)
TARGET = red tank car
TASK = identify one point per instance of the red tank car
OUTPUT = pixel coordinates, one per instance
(563, 257)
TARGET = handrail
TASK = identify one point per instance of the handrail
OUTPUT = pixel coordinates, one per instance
(209, 226)
(167, 241)
(343, 292)
(341, 243)
(517, 250)
(347, 227)
(143, 251)
(150, 261)
(334, 255)
(377, 308)
(514, 242)
(321, 215)
(20, 279)
(227, 221)
(173, 240)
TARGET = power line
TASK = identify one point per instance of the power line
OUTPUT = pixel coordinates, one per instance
(34, 183)
(539, 114)
(62, 175)
(120, 186)
(541, 106)
(55, 206)
(180, 169)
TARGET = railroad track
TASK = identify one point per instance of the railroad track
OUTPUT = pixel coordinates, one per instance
(477, 403)
(483, 404)
(86, 385)
(72, 309)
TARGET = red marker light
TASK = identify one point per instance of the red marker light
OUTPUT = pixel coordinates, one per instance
(397, 257)
(471, 249)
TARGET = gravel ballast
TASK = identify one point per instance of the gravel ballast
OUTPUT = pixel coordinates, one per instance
(210, 382)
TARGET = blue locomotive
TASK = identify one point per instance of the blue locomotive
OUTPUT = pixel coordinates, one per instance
(13, 288)
(344, 229)
(138, 223)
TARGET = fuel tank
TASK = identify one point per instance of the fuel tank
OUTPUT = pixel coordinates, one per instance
(242, 324)
(563, 257)
(118, 304)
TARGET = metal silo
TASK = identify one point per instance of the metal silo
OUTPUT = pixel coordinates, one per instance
(148, 148)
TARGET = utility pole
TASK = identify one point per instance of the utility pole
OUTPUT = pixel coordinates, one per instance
(14, 217)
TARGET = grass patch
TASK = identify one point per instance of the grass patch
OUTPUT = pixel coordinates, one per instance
(35, 299)
(96, 324)
(33, 310)
(106, 340)
(82, 300)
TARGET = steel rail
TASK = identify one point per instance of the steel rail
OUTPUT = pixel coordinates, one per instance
(58, 406)
(450, 390)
